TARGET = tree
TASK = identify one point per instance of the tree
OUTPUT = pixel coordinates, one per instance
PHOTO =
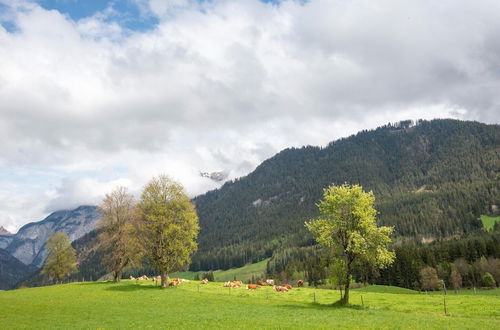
(169, 225)
(61, 260)
(488, 280)
(348, 228)
(429, 278)
(117, 236)
(455, 279)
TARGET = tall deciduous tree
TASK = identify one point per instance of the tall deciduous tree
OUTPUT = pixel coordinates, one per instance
(169, 225)
(347, 226)
(61, 260)
(118, 235)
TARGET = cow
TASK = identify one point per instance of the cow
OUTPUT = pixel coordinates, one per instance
(204, 281)
(270, 282)
(300, 283)
(175, 282)
(252, 286)
(132, 278)
(262, 283)
(236, 284)
(288, 286)
(280, 288)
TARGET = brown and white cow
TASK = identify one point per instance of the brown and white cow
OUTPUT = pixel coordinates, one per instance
(252, 286)
(279, 288)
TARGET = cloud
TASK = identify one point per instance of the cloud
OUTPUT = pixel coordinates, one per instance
(223, 85)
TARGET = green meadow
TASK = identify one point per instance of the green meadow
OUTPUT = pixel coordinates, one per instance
(141, 304)
(244, 273)
(489, 222)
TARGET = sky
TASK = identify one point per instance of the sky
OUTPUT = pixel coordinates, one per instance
(96, 94)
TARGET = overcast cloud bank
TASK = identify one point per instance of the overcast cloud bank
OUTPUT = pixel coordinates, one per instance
(88, 104)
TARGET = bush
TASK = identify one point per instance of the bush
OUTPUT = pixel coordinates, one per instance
(488, 280)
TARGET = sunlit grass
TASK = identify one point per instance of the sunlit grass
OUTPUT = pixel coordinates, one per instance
(133, 304)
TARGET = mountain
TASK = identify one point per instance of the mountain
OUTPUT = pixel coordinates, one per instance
(431, 179)
(4, 231)
(12, 270)
(27, 245)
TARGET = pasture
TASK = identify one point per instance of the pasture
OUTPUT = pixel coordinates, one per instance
(141, 304)
(244, 273)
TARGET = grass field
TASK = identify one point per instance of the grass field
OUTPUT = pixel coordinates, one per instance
(489, 222)
(142, 305)
(244, 273)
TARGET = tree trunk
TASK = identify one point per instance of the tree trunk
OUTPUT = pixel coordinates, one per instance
(345, 299)
(164, 279)
(118, 276)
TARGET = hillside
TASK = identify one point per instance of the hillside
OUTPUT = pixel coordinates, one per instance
(12, 270)
(432, 180)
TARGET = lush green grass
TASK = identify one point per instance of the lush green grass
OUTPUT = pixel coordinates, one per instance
(191, 305)
(398, 290)
(489, 222)
(244, 273)
(386, 289)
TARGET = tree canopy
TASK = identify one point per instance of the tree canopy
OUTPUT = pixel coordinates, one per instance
(61, 260)
(169, 225)
(347, 227)
(117, 238)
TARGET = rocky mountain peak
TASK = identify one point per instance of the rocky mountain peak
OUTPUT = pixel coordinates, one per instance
(4, 231)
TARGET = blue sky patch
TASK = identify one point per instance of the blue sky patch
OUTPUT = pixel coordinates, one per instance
(125, 12)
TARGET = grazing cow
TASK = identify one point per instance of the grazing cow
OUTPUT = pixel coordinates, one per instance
(204, 281)
(175, 282)
(288, 286)
(300, 283)
(252, 286)
(236, 284)
(280, 288)
(262, 283)
(270, 282)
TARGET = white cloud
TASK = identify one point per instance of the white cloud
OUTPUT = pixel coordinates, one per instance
(223, 85)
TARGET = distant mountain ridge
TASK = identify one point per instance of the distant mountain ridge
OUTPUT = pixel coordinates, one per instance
(27, 245)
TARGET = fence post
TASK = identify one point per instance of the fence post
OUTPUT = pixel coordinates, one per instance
(474, 290)
(362, 302)
(198, 288)
(444, 303)
(314, 297)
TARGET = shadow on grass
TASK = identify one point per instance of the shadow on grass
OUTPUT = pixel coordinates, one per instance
(94, 283)
(130, 287)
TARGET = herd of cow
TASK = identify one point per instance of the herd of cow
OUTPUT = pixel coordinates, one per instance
(228, 284)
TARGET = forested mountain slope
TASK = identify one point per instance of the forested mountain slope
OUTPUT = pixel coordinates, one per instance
(431, 180)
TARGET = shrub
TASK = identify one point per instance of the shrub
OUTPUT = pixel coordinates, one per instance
(488, 280)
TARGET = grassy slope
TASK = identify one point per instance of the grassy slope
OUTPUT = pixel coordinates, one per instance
(130, 305)
(243, 273)
(488, 221)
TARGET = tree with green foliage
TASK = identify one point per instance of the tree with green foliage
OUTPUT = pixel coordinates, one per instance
(117, 236)
(429, 278)
(169, 225)
(347, 226)
(488, 280)
(61, 260)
